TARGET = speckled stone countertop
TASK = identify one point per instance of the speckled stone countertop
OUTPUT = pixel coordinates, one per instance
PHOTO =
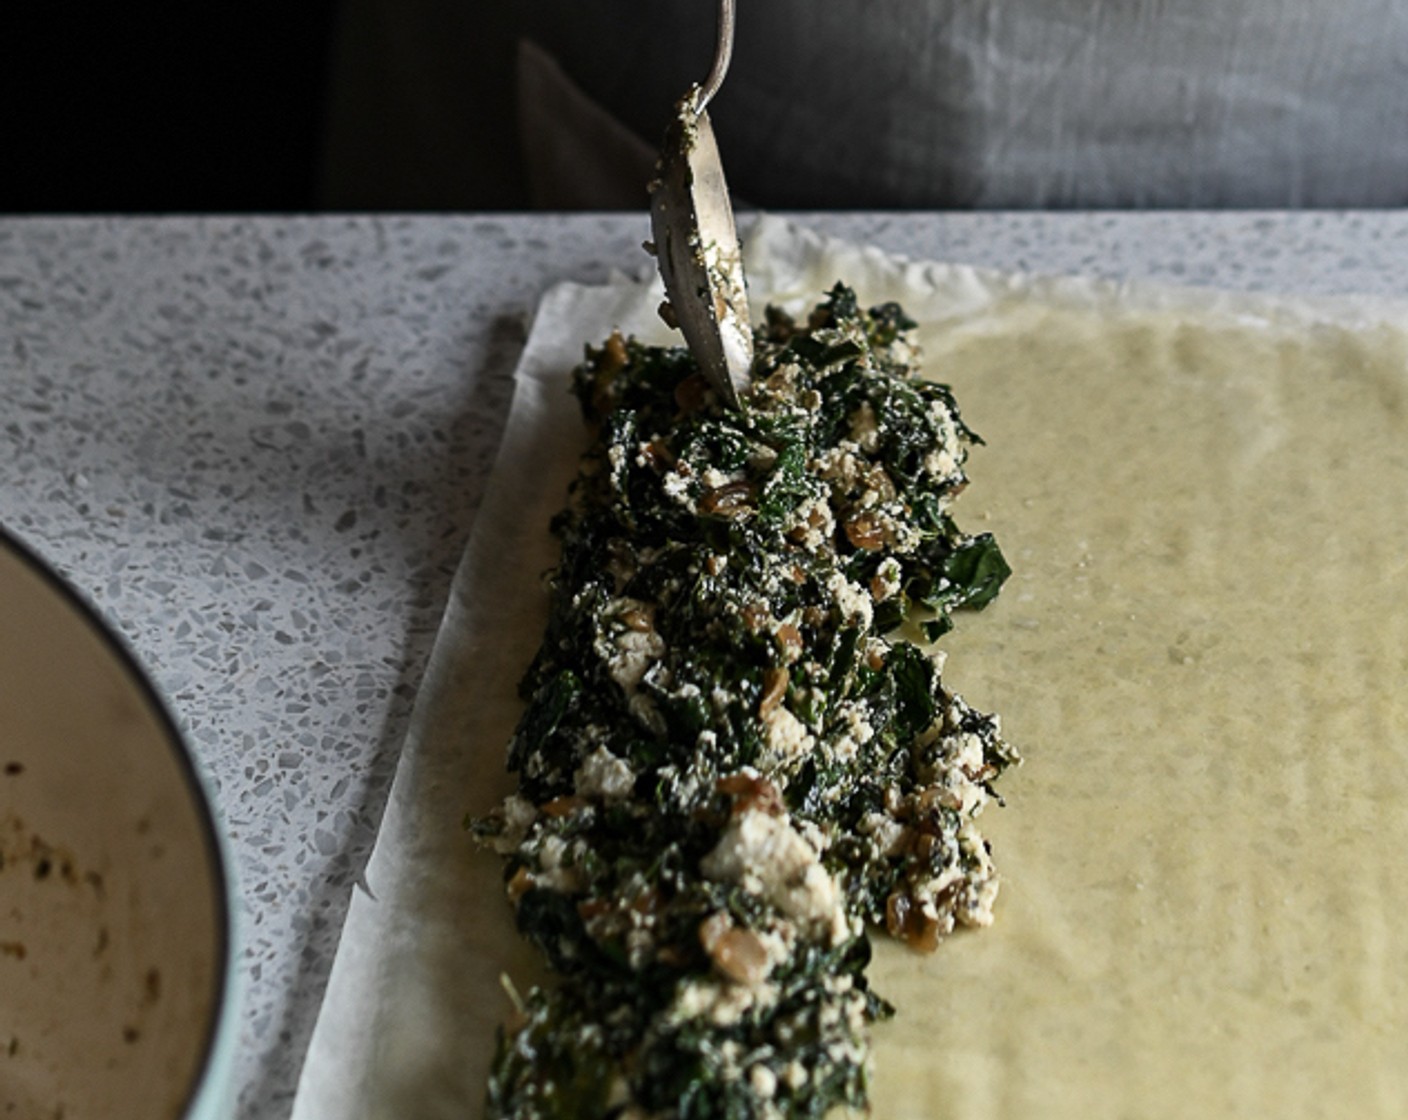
(258, 446)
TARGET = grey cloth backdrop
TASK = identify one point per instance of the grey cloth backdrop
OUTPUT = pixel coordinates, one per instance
(899, 103)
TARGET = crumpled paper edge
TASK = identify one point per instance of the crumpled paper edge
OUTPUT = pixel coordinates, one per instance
(784, 259)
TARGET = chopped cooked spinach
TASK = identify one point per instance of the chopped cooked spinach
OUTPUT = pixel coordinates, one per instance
(730, 765)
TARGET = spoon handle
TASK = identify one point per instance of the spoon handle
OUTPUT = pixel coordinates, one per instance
(723, 54)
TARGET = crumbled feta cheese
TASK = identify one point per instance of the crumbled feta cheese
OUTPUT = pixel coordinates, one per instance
(766, 856)
(554, 871)
(763, 1080)
(852, 717)
(676, 485)
(788, 739)
(631, 654)
(887, 832)
(518, 814)
(864, 429)
(603, 775)
(812, 524)
(840, 465)
(856, 605)
(940, 462)
(720, 1001)
(887, 579)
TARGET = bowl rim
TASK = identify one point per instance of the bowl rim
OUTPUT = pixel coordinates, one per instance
(184, 757)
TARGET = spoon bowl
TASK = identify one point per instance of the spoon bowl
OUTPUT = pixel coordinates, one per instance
(697, 248)
(696, 244)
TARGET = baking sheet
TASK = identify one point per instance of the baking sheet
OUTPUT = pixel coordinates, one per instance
(1201, 654)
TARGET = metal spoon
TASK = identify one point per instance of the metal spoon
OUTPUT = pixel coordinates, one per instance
(696, 245)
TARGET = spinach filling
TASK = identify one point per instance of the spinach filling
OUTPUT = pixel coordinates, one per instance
(735, 758)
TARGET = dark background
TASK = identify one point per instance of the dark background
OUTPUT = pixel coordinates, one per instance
(409, 105)
(136, 108)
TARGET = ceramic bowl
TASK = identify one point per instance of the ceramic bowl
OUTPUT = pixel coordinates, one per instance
(115, 933)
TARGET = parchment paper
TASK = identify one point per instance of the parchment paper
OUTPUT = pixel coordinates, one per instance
(1202, 654)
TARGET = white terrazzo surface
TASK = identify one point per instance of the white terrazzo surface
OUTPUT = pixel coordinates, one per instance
(258, 445)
